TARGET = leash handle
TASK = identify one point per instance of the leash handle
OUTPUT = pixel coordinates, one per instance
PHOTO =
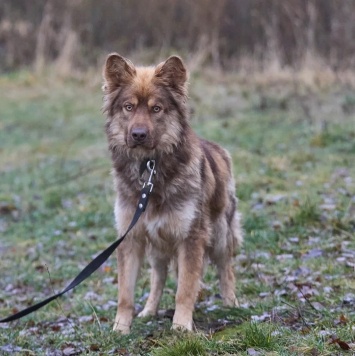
(98, 260)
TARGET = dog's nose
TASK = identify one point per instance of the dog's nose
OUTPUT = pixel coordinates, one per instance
(139, 134)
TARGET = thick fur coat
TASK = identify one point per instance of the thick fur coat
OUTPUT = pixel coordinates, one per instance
(192, 213)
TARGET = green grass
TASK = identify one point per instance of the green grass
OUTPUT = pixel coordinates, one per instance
(295, 179)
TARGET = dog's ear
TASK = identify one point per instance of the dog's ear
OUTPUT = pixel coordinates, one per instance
(173, 73)
(117, 72)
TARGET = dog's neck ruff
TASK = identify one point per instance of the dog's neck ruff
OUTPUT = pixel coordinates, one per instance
(146, 164)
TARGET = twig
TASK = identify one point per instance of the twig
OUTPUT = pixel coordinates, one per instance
(95, 314)
(299, 312)
(344, 232)
(308, 302)
(68, 178)
(76, 330)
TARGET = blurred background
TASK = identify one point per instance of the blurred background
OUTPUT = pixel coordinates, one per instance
(227, 34)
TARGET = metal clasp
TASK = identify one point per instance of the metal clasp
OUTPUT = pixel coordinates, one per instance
(152, 171)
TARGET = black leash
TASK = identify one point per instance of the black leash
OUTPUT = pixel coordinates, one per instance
(103, 256)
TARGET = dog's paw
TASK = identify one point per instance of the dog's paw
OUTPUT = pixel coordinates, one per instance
(179, 327)
(182, 323)
(236, 303)
(231, 302)
(122, 329)
(146, 312)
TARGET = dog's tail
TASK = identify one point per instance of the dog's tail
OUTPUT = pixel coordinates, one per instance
(234, 223)
(236, 230)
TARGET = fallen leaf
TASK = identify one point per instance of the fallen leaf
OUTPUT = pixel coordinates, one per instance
(276, 224)
(273, 199)
(264, 294)
(69, 351)
(107, 269)
(343, 319)
(85, 319)
(11, 348)
(56, 328)
(253, 352)
(262, 317)
(343, 345)
(6, 208)
(117, 351)
(318, 306)
(328, 207)
(349, 298)
(315, 253)
(350, 264)
(305, 330)
(280, 293)
(314, 352)
(94, 347)
(284, 257)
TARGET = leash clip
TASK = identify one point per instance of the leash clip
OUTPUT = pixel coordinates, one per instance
(152, 171)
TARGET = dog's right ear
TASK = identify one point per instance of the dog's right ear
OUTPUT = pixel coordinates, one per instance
(117, 72)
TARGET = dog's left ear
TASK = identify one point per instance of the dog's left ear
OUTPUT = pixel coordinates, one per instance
(173, 73)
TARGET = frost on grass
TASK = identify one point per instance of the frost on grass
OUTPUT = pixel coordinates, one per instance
(296, 187)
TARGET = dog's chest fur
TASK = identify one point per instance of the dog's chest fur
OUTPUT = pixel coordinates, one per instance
(171, 226)
(171, 211)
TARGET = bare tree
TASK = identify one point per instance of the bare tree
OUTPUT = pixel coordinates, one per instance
(77, 33)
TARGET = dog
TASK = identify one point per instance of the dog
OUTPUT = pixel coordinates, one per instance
(192, 214)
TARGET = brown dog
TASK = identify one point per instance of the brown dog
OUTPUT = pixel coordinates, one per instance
(191, 216)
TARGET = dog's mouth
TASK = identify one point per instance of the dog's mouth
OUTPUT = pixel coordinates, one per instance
(144, 147)
(141, 145)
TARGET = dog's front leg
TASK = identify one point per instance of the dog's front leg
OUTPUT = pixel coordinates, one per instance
(190, 264)
(159, 273)
(129, 259)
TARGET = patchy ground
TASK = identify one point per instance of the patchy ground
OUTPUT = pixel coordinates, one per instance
(293, 148)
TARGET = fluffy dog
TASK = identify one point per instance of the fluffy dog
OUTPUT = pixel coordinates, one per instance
(191, 216)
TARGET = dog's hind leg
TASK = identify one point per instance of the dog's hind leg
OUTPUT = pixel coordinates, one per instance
(223, 259)
(229, 238)
(227, 282)
(157, 281)
(225, 262)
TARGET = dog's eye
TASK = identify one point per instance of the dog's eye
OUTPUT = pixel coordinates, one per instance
(128, 107)
(156, 108)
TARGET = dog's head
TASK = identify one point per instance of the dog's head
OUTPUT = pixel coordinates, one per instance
(146, 106)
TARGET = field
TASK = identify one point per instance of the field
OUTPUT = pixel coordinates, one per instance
(293, 148)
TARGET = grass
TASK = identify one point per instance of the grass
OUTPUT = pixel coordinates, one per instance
(295, 178)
